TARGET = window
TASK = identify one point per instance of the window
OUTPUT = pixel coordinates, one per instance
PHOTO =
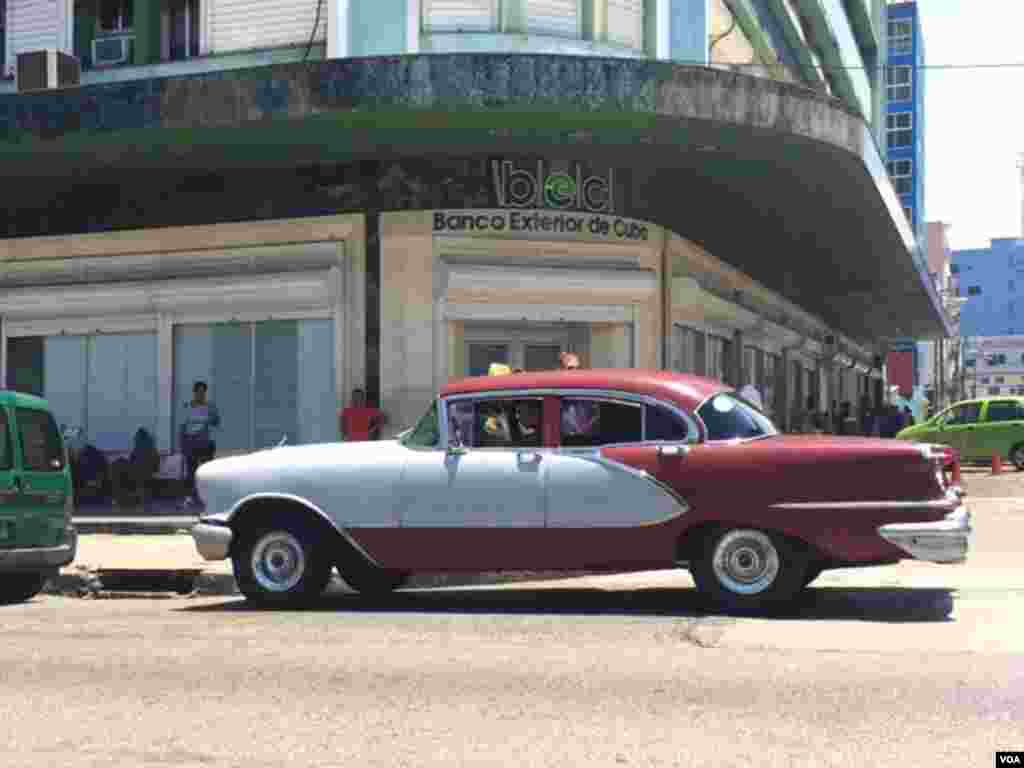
(901, 173)
(496, 423)
(898, 83)
(995, 390)
(684, 350)
(728, 418)
(974, 290)
(986, 380)
(426, 433)
(962, 414)
(901, 37)
(899, 129)
(664, 424)
(6, 454)
(1007, 410)
(180, 34)
(1000, 379)
(954, 269)
(719, 350)
(3, 36)
(1011, 285)
(41, 447)
(589, 422)
(114, 16)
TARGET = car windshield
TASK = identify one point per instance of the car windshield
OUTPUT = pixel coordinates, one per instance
(727, 417)
(426, 433)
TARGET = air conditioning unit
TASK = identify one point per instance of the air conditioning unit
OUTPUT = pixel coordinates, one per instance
(40, 70)
(111, 51)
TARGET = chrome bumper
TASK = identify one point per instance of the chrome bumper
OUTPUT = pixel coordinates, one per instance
(213, 539)
(944, 541)
(41, 558)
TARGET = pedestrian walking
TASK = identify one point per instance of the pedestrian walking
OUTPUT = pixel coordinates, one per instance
(195, 437)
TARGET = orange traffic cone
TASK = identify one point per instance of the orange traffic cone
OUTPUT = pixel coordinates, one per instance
(997, 463)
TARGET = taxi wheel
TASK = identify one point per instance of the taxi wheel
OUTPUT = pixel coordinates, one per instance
(749, 570)
(280, 562)
(1017, 456)
(19, 587)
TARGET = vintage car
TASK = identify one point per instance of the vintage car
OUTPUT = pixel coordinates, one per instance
(977, 429)
(599, 470)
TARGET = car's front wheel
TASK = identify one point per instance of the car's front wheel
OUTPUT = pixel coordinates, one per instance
(19, 587)
(1017, 456)
(280, 563)
(745, 569)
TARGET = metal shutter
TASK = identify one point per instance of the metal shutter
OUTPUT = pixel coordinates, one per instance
(459, 16)
(553, 17)
(626, 23)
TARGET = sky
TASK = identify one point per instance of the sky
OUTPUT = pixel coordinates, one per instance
(974, 118)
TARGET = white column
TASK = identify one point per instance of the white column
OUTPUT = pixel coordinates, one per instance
(337, 29)
(339, 309)
(165, 432)
(413, 9)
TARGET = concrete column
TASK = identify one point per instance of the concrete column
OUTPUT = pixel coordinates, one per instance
(784, 417)
(337, 29)
(165, 431)
(735, 366)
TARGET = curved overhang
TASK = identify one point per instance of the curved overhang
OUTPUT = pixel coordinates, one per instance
(774, 179)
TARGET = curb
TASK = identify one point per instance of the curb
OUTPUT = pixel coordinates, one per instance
(134, 525)
(192, 582)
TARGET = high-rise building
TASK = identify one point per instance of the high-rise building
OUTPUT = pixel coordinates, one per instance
(905, 116)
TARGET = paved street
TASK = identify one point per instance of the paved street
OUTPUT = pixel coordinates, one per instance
(909, 665)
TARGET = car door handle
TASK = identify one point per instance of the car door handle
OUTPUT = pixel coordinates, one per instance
(528, 457)
(672, 450)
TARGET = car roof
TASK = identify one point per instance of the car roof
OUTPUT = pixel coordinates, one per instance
(22, 399)
(683, 389)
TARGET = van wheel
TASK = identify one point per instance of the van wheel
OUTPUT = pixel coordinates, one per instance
(280, 563)
(748, 570)
(19, 587)
(1017, 456)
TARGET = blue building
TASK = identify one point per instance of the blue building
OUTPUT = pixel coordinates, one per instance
(905, 120)
(993, 279)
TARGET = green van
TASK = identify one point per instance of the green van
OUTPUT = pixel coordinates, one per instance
(977, 429)
(36, 502)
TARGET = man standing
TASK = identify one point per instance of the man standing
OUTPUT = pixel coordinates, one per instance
(196, 437)
(360, 422)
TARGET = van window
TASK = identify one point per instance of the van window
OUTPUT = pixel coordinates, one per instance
(40, 441)
(6, 454)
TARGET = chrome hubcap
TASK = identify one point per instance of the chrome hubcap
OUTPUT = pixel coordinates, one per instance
(278, 562)
(746, 562)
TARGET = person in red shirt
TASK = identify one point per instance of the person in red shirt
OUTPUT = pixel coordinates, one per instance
(360, 421)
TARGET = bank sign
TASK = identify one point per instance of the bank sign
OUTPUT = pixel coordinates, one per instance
(523, 188)
(540, 224)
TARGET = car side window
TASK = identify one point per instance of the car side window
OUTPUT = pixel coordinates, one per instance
(40, 442)
(496, 422)
(6, 452)
(664, 424)
(1004, 411)
(971, 413)
(588, 422)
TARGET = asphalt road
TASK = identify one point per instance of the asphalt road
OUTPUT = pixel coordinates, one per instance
(907, 665)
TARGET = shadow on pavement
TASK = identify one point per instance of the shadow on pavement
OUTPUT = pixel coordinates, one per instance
(884, 604)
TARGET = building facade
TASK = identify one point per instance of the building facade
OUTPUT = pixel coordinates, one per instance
(992, 320)
(905, 115)
(641, 183)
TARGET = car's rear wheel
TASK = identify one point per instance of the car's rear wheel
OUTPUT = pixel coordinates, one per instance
(1017, 456)
(745, 569)
(19, 587)
(280, 563)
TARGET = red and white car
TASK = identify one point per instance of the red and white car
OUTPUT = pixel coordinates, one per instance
(611, 470)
